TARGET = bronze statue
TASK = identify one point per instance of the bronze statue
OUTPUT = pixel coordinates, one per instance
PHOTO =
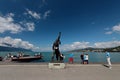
(55, 48)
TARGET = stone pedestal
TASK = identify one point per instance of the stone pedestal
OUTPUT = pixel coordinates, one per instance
(56, 65)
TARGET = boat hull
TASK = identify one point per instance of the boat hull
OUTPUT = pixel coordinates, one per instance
(26, 59)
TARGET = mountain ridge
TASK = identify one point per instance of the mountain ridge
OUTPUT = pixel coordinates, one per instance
(3, 48)
(90, 49)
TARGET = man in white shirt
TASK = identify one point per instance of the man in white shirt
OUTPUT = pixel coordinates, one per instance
(86, 59)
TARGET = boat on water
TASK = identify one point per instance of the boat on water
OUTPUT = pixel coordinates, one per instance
(25, 58)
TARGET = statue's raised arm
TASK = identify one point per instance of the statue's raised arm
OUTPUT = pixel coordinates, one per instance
(57, 41)
(59, 36)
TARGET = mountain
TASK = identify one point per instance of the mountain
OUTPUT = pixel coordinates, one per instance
(114, 49)
(2, 48)
(90, 49)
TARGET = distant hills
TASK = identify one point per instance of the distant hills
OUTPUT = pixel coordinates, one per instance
(90, 49)
(12, 49)
(114, 49)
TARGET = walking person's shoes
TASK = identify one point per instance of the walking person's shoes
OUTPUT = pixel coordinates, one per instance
(110, 67)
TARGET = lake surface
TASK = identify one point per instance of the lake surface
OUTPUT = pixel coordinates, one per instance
(94, 57)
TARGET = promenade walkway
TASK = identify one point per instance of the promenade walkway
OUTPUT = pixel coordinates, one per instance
(71, 72)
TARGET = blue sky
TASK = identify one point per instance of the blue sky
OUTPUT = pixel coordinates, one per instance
(35, 24)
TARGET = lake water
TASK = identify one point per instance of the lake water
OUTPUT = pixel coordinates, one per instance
(94, 57)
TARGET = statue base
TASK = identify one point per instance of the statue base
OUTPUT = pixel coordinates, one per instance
(56, 65)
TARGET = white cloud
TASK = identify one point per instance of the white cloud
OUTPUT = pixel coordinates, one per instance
(30, 26)
(46, 14)
(109, 32)
(107, 44)
(11, 14)
(37, 15)
(7, 24)
(18, 43)
(44, 49)
(115, 28)
(75, 45)
(33, 14)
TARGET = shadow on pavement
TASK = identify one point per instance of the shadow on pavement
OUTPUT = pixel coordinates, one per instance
(105, 65)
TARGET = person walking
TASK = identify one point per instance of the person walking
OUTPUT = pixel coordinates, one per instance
(108, 60)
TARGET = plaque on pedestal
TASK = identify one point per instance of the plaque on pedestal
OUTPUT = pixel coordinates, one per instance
(56, 65)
